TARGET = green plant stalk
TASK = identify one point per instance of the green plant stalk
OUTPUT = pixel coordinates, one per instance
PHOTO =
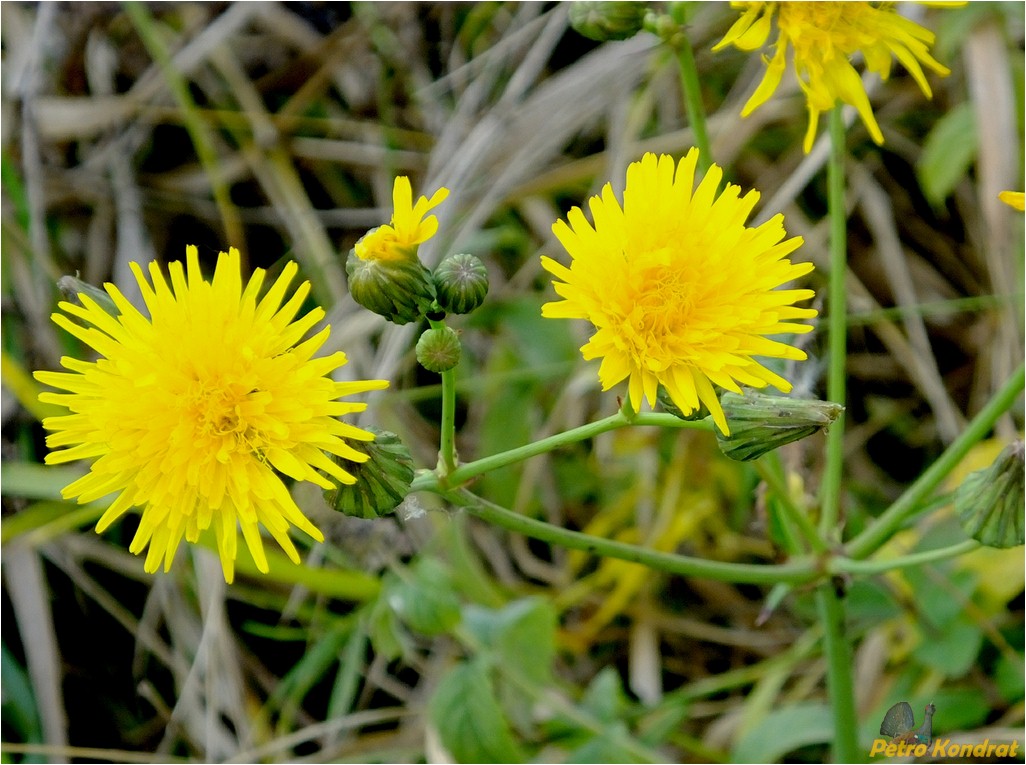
(840, 684)
(839, 674)
(692, 91)
(447, 442)
(198, 131)
(429, 481)
(797, 571)
(885, 525)
(830, 490)
(865, 567)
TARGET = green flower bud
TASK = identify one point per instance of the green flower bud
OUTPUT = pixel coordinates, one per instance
(461, 282)
(761, 423)
(438, 349)
(382, 482)
(399, 290)
(990, 503)
(607, 20)
(72, 288)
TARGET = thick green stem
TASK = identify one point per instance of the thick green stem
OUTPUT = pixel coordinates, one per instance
(692, 90)
(830, 491)
(797, 571)
(829, 603)
(884, 527)
(839, 674)
(447, 442)
(462, 474)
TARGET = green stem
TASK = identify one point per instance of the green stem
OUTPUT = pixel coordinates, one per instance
(849, 566)
(798, 571)
(837, 328)
(692, 90)
(839, 674)
(840, 683)
(884, 527)
(447, 443)
(430, 482)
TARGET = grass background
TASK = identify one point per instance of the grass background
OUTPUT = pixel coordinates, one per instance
(131, 131)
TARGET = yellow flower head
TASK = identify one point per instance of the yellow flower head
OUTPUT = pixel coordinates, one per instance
(190, 411)
(824, 36)
(680, 291)
(408, 228)
(1016, 199)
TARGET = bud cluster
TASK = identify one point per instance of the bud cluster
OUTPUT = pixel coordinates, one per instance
(402, 290)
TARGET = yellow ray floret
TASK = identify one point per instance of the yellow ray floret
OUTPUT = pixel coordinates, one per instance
(195, 406)
(409, 226)
(680, 291)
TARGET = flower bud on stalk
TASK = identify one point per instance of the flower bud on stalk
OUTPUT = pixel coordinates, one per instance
(399, 290)
(461, 282)
(761, 423)
(382, 482)
(607, 20)
(438, 349)
(990, 503)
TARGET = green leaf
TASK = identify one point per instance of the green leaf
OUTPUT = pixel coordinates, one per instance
(604, 697)
(953, 650)
(948, 151)
(427, 602)
(785, 730)
(469, 719)
(605, 748)
(382, 626)
(522, 635)
(1009, 678)
(19, 703)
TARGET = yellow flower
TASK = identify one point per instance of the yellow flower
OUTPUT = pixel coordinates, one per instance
(191, 409)
(824, 36)
(408, 228)
(680, 291)
(1013, 199)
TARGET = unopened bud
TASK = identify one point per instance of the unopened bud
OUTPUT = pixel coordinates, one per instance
(461, 282)
(607, 20)
(438, 349)
(399, 290)
(760, 423)
(382, 482)
(990, 503)
(73, 288)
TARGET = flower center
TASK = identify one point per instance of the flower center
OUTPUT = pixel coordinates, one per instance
(659, 310)
(215, 412)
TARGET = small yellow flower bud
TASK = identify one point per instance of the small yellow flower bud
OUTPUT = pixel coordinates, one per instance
(399, 290)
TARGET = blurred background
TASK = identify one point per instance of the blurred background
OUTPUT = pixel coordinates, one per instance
(129, 131)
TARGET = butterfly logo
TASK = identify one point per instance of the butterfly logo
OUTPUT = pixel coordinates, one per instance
(899, 725)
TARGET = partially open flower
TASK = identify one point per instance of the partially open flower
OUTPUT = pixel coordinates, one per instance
(825, 37)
